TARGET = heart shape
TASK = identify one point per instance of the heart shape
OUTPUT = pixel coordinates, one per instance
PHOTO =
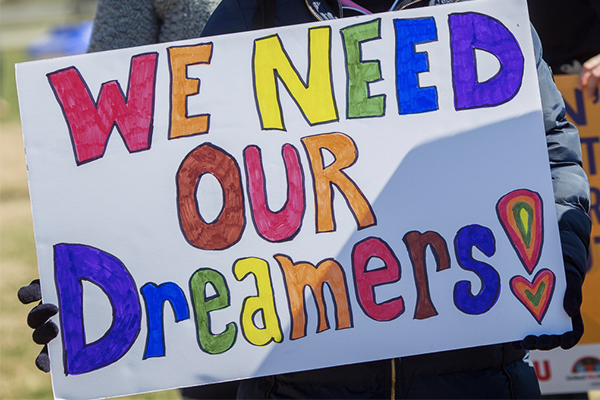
(535, 296)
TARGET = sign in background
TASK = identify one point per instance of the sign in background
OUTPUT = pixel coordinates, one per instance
(291, 199)
(578, 369)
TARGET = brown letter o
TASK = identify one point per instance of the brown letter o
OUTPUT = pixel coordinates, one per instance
(227, 228)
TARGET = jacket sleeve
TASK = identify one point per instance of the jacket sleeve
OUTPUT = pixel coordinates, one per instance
(128, 23)
(123, 23)
(571, 187)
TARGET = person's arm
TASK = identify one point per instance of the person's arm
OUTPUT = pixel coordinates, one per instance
(572, 198)
(589, 77)
(128, 23)
(124, 23)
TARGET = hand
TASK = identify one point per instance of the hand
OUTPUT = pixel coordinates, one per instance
(589, 76)
(38, 319)
(571, 304)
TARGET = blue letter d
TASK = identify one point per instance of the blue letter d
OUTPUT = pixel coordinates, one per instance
(74, 263)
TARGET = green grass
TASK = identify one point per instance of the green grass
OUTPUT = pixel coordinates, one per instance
(8, 88)
(19, 378)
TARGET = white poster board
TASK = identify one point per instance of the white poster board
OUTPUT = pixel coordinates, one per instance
(393, 168)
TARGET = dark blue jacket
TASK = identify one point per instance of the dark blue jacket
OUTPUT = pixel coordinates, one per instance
(495, 371)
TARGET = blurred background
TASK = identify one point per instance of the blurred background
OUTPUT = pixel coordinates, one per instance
(29, 30)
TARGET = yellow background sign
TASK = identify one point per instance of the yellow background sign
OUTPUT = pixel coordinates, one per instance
(585, 114)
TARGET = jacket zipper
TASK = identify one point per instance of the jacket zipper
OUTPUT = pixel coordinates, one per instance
(393, 389)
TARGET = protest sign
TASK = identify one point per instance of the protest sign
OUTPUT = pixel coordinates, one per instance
(291, 199)
(578, 369)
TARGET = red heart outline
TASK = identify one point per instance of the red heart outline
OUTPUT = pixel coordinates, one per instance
(519, 285)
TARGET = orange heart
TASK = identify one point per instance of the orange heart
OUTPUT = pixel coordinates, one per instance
(535, 296)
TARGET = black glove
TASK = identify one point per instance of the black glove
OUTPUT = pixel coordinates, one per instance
(571, 304)
(38, 319)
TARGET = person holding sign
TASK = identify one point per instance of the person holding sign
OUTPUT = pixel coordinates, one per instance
(494, 371)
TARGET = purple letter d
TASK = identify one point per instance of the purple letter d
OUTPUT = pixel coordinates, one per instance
(74, 263)
(476, 31)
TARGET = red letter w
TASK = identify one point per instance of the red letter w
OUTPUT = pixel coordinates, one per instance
(90, 124)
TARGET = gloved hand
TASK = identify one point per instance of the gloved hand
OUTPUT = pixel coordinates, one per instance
(571, 303)
(38, 319)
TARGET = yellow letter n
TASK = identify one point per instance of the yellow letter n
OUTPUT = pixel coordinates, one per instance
(315, 99)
